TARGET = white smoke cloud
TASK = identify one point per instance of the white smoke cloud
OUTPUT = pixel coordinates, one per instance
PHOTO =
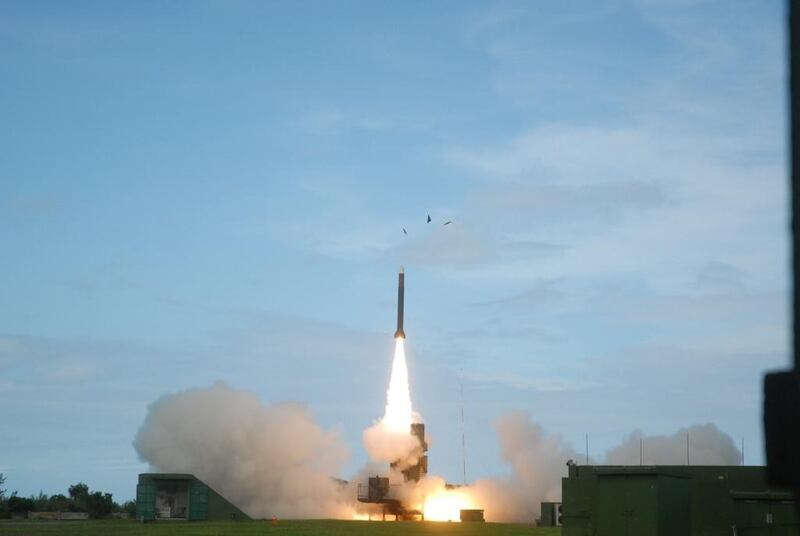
(707, 446)
(538, 462)
(384, 444)
(267, 459)
(275, 460)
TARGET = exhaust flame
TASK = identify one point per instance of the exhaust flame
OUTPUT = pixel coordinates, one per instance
(389, 439)
(446, 505)
(399, 414)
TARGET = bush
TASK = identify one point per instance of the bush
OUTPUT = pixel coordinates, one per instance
(96, 504)
(129, 507)
(20, 505)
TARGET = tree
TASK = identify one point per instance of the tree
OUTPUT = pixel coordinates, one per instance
(4, 513)
(41, 502)
(99, 504)
(79, 493)
(58, 503)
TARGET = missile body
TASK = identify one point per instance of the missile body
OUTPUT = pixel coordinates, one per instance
(400, 294)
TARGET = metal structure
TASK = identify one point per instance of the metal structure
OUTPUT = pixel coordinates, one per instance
(401, 290)
(782, 388)
(415, 472)
(550, 514)
(471, 515)
(179, 496)
(675, 501)
(378, 491)
(375, 491)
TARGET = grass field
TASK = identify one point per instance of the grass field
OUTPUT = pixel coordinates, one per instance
(265, 528)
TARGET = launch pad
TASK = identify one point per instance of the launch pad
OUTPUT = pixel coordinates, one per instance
(415, 472)
(378, 489)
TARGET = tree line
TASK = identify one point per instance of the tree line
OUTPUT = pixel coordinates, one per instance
(80, 499)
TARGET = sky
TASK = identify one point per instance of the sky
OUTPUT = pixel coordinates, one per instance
(216, 190)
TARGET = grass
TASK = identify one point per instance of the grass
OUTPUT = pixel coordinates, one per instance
(266, 528)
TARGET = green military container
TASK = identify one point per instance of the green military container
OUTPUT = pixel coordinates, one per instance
(633, 501)
(178, 496)
(765, 513)
(674, 501)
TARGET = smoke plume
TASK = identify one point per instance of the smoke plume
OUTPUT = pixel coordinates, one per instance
(384, 444)
(707, 445)
(538, 462)
(268, 460)
(275, 460)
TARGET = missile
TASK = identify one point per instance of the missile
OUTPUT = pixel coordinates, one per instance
(400, 334)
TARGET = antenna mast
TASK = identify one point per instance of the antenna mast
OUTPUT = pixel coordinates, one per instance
(463, 442)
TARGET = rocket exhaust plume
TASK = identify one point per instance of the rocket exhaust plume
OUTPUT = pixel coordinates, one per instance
(398, 415)
(389, 439)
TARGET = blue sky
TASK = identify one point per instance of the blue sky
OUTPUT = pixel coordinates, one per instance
(216, 190)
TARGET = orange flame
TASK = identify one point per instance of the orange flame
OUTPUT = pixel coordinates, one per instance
(446, 505)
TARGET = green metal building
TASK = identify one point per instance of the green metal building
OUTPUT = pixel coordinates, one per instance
(674, 501)
(178, 496)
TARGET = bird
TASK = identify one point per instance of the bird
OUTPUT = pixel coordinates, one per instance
(429, 219)
(404, 231)
(448, 222)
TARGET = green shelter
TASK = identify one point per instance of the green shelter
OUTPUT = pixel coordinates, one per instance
(675, 501)
(178, 496)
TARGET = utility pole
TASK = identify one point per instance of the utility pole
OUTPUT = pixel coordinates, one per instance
(641, 452)
(688, 462)
(463, 441)
(587, 449)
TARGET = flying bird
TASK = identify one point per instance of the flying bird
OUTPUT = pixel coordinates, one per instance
(404, 231)
(429, 219)
(448, 222)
